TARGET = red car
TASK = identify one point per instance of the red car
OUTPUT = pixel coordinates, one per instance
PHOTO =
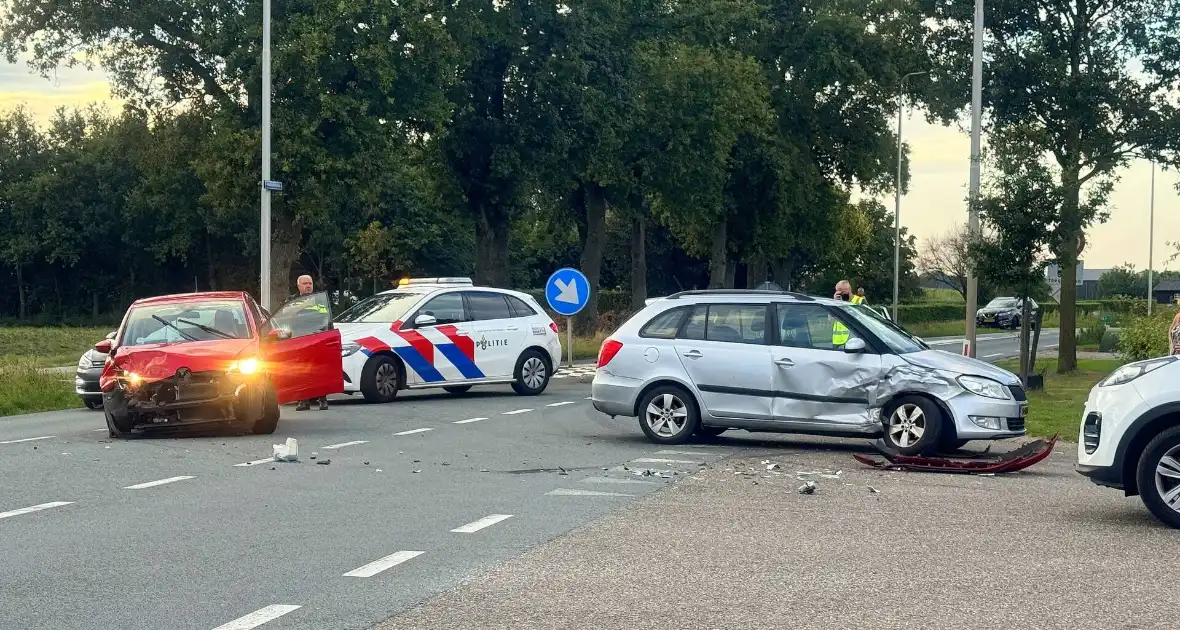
(203, 358)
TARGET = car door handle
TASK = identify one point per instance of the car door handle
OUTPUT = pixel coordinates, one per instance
(784, 363)
(693, 354)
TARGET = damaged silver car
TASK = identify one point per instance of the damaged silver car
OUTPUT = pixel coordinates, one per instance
(703, 362)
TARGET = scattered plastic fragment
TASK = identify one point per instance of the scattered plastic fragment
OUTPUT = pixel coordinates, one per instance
(772, 467)
(314, 455)
(366, 463)
(417, 471)
(287, 452)
(874, 490)
(484, 470)
(807, 488)
(324, 462)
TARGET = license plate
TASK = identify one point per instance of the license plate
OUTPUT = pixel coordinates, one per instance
(1024, 411)
(989, 319)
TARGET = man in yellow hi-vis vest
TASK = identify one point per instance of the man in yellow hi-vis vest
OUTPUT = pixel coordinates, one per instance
(859, 298)
(839, 330)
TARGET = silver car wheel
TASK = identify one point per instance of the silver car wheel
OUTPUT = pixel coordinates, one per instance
(1167, 478)
(667, 415)
(386, 379)
(907, 425)
(533, 372)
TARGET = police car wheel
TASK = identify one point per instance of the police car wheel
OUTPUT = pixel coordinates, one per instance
(380, 379)
(532, 374)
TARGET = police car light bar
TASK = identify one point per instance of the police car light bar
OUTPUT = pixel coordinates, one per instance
(434, 281)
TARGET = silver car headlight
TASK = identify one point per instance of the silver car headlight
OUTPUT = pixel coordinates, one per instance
(984, 387)
(84, 363)
(349, 348)
(1132, 371)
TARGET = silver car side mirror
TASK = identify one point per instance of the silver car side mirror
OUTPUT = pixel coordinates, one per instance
(854, 345)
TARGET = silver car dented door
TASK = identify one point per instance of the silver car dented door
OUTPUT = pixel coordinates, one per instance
(723, 349)
(816, 381)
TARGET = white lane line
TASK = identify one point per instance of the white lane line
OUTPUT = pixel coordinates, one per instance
(158, 482)
(613, 480)
(413, 431)
(43, 437)
(377, 566)
(560, 404)
(258, 617)
(332, 447)
(657, 460)
(992, 356)
(100, 430)
(486, 521)
(568, 492)
(588, 398)
(514, 412)
(468, 421)
(34, 508)
(255, 462)
(678, 452)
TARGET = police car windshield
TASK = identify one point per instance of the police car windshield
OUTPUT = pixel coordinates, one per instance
(383, 308)
(897, 339)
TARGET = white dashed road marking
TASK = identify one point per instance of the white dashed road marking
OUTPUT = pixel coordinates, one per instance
(34, 508)
(331, 447)
(486, 521)
(469, 420)
(377, 566)
(560, 404)
(158, 482)
(568, 492)
(656, 460)
(43, 437)
(100, 430)
(678, 452)
(255, 462)
(258, 617)
(613, 480)
(513, 413)
(413, 431)
(992, 356)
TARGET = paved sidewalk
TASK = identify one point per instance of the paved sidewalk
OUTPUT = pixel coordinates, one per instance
(735, 546)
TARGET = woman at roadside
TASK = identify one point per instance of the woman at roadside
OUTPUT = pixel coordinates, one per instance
(1174, 335)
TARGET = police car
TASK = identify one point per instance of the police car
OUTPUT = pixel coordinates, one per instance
(445, 332)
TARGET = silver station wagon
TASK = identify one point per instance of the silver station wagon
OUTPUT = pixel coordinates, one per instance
(702, 362)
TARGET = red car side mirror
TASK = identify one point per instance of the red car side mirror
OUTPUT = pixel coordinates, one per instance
(104, 346)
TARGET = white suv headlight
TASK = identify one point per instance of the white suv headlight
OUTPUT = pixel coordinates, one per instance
(984, 387)
(1132, 371)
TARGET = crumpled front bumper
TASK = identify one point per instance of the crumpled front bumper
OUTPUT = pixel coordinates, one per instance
(203, 398)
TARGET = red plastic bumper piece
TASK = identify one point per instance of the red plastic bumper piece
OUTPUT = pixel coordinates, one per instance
(1012, 461)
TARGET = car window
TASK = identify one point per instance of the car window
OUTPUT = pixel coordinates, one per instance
(729, 323)
(664, 325)
(694, 328)
(182, 322)
(811, 326)
(519, 307)
(486, 305)
(383, 308)
(304, 315)
(446, 308)
(894, 337)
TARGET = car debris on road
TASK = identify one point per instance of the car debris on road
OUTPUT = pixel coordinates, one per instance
(1012, 461)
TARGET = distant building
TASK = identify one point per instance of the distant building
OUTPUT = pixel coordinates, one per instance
(1167, 292)
(1087, 281)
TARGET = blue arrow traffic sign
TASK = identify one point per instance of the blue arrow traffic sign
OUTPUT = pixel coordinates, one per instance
(567, 291)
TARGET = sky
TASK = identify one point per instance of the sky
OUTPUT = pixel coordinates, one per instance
(934, 205)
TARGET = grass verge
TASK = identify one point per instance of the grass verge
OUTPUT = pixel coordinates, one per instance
(26, 389)
(54, 346)
(1058, 407)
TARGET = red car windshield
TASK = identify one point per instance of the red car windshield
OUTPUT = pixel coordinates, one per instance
(183, 322)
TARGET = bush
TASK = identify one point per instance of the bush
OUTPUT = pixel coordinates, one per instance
(930, 312)
(1145, 337)
(1110, 341)
(1092, 335)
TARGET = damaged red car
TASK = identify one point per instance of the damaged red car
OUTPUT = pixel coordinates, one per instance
(217, 358)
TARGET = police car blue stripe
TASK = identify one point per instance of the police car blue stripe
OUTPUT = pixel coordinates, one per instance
(466, 366)
(418, 363)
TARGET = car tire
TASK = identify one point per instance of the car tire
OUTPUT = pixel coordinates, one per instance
(94, 404)
(380, 379)
(457, 389)
(913, 426)
(115, 429)
(1155, 489)
(659, 411)
(532, 373)
(269, 421)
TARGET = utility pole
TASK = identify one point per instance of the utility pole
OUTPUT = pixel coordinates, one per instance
(1150, 239)
(264, 230)
(897, 194)
(973, 186)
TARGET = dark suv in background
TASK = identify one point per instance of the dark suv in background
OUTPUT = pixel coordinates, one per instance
(1004, 312)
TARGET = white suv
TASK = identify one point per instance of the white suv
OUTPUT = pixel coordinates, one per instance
(445, 332)
(1130, 435)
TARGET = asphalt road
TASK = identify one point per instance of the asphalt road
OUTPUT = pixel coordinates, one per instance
(200, 531)
(996, 346)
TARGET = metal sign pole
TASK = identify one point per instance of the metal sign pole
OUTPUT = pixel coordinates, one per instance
(569, 340)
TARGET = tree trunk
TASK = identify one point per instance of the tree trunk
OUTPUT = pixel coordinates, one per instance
(594, 199)
(1067, 257)
(718, 256)
(638, 263)
(755, 272)
(730, 274)
(781, 273)
(284, 253)
(491, 250)
(210, 270)
(20, 293)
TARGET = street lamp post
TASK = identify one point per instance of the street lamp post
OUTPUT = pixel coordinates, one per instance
(264, 229)
(897, 193)
(1150, 239)
(973, 185)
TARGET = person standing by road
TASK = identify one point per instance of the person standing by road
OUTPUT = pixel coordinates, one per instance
(839, 331)
(860, 298)
(305, 286)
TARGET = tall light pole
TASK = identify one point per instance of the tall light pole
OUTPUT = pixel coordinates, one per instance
(897, 193)
(264, 231)
(973, 186)
(1150, 238)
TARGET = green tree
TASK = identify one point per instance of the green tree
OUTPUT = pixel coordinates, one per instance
(1123, 280)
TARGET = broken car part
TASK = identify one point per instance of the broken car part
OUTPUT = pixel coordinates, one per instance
(1012, 461)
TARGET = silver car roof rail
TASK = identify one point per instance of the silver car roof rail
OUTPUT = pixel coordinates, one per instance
(798, 296)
